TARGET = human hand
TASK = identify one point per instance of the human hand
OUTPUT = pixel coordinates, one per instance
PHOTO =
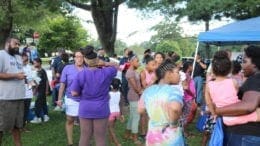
(20, 76)
(101, 63)
(59, 103)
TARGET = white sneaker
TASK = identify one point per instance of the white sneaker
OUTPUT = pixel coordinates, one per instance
(46, 118)
(57, 108)
(36, 120)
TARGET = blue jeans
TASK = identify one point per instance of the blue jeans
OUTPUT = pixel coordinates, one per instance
(198, 80)
(55, 93)
(231, 139)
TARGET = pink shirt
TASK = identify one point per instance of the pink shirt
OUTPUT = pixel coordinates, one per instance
(224, 93)
(149, 77)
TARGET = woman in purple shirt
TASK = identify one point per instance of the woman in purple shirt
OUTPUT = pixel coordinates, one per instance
(71, 103)
(92, 85)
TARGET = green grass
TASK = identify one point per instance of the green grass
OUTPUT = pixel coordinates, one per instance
(52, 133)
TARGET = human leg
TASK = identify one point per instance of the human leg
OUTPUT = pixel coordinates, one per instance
(100, 129)
(135, 122)
(27, 103)
(86, 131)
(17, 137)
(69, 129)
(111, 125)
(128, 133)
(199, 89)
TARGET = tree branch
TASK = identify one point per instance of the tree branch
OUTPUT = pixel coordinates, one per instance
(80, 5)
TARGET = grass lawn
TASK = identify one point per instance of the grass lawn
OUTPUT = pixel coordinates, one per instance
(52, 133)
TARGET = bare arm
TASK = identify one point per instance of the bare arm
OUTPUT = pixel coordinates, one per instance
(133, 84)
(73, 93)
(61, 92)
(175, 110)
(209, 101)
(142, 77)
(10, 76)
(204, 66)
(248, 104)
(141, 107)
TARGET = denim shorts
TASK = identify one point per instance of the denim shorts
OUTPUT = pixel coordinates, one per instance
(232, 139)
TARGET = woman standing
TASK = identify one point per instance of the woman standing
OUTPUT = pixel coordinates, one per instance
(71, 103)
(249, 93)
(92, 85)
(163, 104)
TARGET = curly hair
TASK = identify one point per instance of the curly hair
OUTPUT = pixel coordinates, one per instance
(221, 64)
(253, 52)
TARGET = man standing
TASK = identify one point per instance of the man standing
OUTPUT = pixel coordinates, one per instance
(200, 67)
(12, 79)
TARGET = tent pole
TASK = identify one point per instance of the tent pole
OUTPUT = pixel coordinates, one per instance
(194, 60)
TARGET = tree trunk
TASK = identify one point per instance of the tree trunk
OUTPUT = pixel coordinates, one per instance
(207, 48)
(104, 14)
(7, 24)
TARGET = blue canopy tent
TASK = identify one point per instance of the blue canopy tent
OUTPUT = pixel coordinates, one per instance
(240, 32)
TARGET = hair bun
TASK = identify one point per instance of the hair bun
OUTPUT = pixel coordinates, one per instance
(89, 52)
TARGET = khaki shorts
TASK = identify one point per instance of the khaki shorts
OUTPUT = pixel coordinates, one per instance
(11, 114)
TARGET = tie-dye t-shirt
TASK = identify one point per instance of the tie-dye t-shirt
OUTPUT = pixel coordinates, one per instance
(155, 100)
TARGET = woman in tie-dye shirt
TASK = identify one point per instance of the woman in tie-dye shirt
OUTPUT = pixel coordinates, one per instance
(163, 104)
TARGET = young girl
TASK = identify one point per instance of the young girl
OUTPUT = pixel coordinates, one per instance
(147, 79)
(115, 97)
(41, 93)
(223, 90)
(189, 108)
(133, 95)
(163, 103)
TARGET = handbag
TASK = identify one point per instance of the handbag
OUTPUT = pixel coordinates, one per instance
(201, 122)
(217, 135)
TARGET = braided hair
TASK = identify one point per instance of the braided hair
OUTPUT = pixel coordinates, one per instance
(167, 65)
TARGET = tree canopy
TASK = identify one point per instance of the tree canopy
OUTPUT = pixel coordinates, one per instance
(63, 32)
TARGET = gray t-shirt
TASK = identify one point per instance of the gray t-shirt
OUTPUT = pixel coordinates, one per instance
(12, 89)
(132, 95)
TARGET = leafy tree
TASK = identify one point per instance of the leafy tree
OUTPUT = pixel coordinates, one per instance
(19, 15)
(63, 32)
(167, 46)
(119, 47)
(165, 30)
(168, 38)
(104, 14)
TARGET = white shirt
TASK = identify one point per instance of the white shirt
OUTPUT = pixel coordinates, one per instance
(114, 101)
(28, 89)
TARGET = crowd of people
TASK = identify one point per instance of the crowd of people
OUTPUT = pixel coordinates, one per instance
(161, 92)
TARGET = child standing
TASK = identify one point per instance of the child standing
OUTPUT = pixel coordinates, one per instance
(163, 104)
(133, 95)
(41, 93)
(115, 97)
(223, 91)
(189, 108)
(148, 77)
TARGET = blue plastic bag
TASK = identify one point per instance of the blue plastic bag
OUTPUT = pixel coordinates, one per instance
(201, 122)
(217, 135)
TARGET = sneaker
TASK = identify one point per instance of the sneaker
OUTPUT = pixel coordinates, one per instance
(36, 120)
(46, 118)
(57, 108)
